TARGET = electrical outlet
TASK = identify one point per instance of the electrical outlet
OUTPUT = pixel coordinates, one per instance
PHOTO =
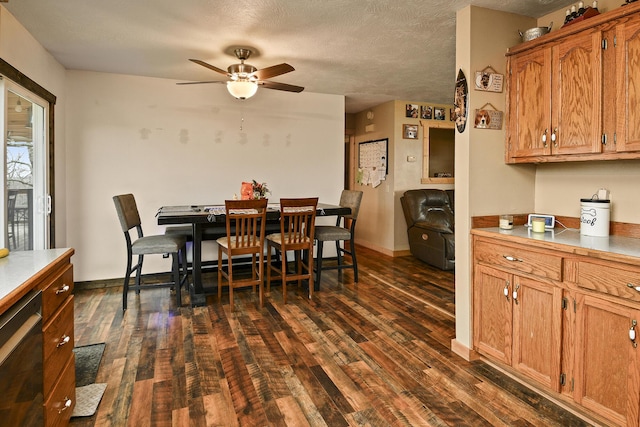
(411, 159)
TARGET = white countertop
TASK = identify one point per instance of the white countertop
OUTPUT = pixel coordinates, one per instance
(19, 267)
(618, 245)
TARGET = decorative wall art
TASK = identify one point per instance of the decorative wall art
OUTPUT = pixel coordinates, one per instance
(410, 131)
(412, 111)
(426, 112)
(438, 113)
(372, 162)
(461, 101)
(488, 80)
(488, 117)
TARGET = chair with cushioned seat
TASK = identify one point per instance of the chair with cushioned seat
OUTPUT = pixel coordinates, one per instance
(148, 245)
(343, 231)
(297, 226)
(245, 225)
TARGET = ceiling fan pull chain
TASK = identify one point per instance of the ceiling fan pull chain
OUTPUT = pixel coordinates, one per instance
(241, 116)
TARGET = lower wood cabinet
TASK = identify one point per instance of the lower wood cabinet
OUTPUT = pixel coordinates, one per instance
(607, 376)
(58, 340)
(573, 330)
(518, 321)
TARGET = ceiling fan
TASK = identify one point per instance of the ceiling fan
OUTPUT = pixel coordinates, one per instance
(245, 78)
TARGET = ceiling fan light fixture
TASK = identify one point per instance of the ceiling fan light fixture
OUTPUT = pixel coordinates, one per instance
(242, 89)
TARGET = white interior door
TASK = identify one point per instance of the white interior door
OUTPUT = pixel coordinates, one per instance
(26, 202)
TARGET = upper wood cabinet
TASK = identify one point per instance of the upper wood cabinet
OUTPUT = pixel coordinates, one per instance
(571, 94)
(627, 41)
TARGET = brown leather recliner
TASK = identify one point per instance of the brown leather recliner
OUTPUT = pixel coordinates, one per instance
(430, 226)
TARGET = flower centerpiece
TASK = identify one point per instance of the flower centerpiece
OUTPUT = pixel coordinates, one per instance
(260, 190)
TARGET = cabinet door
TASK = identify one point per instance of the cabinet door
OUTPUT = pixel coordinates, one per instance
(607, 370)
(530, 104)
(537, 330)
(628, 85)
(577, 94)
(492, 313)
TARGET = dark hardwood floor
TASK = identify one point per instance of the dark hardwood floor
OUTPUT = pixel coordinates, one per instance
(372, 354)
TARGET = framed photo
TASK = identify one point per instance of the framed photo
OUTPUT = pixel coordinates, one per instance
(438, 113)
(412, 111)
(426, 112)
(410, 131)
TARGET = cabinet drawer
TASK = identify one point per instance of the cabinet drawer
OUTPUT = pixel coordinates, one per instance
(610, 279)
(522, 259)
(59, 406)
(57, 348)
(57, 291)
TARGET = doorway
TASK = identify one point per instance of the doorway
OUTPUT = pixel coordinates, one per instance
(26, 202)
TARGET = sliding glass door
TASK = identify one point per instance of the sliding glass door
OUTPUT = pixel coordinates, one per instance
(26, 203)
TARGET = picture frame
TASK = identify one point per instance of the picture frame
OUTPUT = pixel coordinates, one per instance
(438, 113)
(412, 111)
(410, 131)
(488, 80)
(426, 112)
(488, 117)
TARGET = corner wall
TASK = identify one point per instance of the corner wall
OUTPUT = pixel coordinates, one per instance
(484, 184)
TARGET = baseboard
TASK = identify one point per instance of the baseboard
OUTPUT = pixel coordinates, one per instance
(405, 252)
(463, 351)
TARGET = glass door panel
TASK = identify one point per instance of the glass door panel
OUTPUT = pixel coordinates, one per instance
(25, 178)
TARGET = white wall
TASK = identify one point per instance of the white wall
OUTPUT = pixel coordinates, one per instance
(177, 145)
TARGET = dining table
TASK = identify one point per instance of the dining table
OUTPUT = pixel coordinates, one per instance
(209, 221)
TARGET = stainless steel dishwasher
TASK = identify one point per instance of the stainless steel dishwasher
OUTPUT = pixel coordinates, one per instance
(21, 388)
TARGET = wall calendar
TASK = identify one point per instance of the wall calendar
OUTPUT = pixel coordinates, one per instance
(372, 162)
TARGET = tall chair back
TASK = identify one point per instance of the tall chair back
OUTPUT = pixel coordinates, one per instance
(175, 245)
(245, 223)
(297, 231)
(343, 231)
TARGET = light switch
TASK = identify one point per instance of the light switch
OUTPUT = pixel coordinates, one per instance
(411, 159)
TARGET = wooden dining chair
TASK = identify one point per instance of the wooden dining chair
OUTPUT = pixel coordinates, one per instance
(146, 245)
(343, 231)
(245, 222)
(297, 225)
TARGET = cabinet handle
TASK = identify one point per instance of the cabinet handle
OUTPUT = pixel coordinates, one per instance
(634, 287)
(64, 340)
(67, 405)
(632, 333)
(506, 290)
(515, 294)
(554, 137)
(63, 289)
(511, 258)
(544, 138)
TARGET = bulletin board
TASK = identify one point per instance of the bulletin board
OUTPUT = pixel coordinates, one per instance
(373, 165)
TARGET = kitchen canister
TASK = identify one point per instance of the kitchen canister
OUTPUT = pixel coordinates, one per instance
(594, 217)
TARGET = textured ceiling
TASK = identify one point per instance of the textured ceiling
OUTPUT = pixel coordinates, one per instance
(370, 51)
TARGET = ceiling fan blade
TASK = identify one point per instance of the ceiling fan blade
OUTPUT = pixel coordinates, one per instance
(209, 66)
(199, 83)
(281, 86)
(273, 71)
